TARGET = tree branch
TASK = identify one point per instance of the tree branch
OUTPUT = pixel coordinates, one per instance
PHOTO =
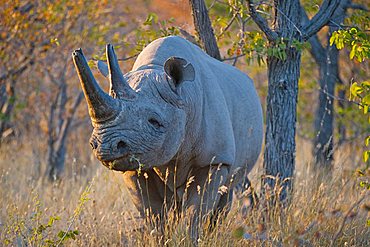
(67, 123)
(356, 6)
(204, 28)
(233, 58)
(188, 36)
(26, 61)
(228, 24)
(317, 50)
(320, 19)
(338, 98)
(261, 22)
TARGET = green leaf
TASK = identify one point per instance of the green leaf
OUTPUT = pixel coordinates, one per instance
(238, 232)
(61, 234)
(366, 100)
(54, 41)
(52, 220)
(152, 18)
(365, 84)
(41, 228)
(91, 63)
(360, 57)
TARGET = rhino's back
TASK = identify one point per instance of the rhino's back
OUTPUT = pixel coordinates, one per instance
(232, 115)
(157, 52)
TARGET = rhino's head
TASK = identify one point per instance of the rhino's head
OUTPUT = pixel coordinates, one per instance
(133, 127)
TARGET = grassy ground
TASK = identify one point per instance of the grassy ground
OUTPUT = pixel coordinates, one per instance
(94, 201)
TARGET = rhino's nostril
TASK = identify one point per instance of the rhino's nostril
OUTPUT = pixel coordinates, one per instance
(121, 145)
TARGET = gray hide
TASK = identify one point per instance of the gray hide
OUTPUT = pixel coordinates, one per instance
(224, 116)
(183, 114)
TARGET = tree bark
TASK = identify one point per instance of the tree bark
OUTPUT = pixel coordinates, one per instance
(342, 130)
(327, 60)
(8, 82)
(283, 75)
(279, 156)
(59, 124)
(281, 114)
(324, 116)
(204, 28)
(7, 101)
(57, 145)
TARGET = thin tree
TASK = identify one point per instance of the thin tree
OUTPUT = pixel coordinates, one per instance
(283, 74)
(59, 124)
(204, 28)
(327, 58)
(19, 48)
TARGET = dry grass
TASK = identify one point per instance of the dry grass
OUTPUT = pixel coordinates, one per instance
(314, 218)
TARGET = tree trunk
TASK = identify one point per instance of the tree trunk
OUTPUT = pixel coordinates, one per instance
(280, 147)
(57, 146)
(204, 28)
(324, 117)
(283, 75)
(58, 132)
(327, 59)
(342, 130)
(8, 82)
(56, 163)
(7, 102)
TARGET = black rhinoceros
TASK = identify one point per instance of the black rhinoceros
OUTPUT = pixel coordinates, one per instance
(190, 123)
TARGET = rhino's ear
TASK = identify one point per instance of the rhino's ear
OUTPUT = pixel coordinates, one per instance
(179, 70)
(103, 68)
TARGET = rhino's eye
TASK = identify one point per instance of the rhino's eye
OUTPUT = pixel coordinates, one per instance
(155, 123)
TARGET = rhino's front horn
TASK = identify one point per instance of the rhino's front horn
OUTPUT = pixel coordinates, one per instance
(119, 88)
(102, 107)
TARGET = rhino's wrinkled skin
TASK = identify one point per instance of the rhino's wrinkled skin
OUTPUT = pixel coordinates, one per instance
(179, 115)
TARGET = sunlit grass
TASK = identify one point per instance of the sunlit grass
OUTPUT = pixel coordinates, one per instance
(95, 203)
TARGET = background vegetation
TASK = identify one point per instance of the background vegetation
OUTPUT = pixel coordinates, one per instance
(54, 192)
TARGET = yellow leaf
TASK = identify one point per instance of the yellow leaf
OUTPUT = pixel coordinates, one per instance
(367, 141)
(353, 51)
(366, 156)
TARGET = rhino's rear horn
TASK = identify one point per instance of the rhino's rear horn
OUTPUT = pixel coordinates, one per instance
(101, 106)
(119, 87)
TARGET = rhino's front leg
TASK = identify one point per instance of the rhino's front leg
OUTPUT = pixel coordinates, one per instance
(148, 193)
(206, 196)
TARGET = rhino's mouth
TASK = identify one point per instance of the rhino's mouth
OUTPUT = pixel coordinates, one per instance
(124, 163)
